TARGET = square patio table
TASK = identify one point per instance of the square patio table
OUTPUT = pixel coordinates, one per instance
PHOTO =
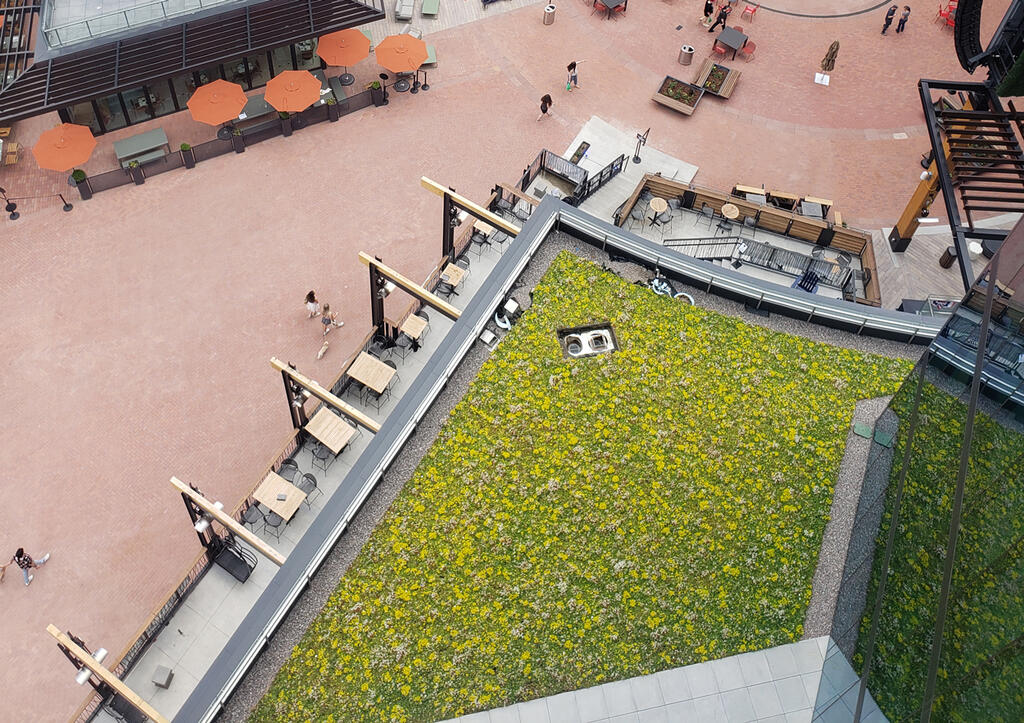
(330, 429)
(273, 485)
(413, 326)
(453, 274)
(372, 372)
(733, 39)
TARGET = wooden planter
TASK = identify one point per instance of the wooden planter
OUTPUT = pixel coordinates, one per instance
(704, 73)
(677, 105)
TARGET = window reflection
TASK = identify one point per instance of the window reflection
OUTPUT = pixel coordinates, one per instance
(110, 112)
(305, 55)
(84, 115)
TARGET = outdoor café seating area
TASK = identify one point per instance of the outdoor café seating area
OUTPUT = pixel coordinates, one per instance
(775, 236)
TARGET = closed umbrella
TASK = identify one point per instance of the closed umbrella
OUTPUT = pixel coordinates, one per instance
(217, 102)
(64, 147)
(344, 48)
(829, 63)
(401, 53)
(292, 91)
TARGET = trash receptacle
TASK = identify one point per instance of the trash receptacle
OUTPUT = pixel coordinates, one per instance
(948, 257)
(549, 14)
(686, 55)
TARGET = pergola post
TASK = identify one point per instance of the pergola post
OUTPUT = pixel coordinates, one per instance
(377, 294)
(199, 507)
(448, 232)
(296, 400)
(83, 659)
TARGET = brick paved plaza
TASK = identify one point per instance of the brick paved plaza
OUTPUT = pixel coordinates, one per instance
(138, 327)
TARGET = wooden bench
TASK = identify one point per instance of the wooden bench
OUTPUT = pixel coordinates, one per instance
(404, 9)
(430, 7)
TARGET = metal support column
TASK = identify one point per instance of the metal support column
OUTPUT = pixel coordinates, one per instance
(451, 216)
(377, 283)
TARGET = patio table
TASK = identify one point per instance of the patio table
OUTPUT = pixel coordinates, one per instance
(140, 144)
(371, 372)
(730, 211)
(453, 275)
(325, 87)
(256, 107)
(330, 429)
(413, 326)
(273, 485)
(732, 39)
(658, 205)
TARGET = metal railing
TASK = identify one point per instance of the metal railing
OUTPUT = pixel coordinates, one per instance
(116, 21)
(592, 184)
(708, 248)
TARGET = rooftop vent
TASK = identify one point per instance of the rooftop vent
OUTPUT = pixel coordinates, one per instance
(588, 340)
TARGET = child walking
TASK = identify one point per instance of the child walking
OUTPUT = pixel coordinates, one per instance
(545, 103)
(329, 318)
(312, 305)
(573, 81)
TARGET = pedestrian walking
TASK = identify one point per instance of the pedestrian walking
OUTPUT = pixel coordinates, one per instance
(903, 19)
(889, 15)
(26, 563)
(574, 79)
(329, 318)
(545, 103)
(723, 15)
(312, 305)
(709, 11)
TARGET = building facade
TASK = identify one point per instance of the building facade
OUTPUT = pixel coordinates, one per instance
(133, 64)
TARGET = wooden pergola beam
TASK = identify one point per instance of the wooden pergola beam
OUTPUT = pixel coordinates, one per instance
(325, 396)
(479, 211)
(411, 287)
(105, 675)
(229, 522)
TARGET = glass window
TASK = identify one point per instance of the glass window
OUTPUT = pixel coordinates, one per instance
(184, 87)
(83, 114)
(160, 100)
(305, 54)
(137, 103)
(110, 112)
(235, 71)
(259, 69)
(207, 74)
(282, 59)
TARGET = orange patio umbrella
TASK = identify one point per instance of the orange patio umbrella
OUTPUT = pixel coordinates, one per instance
(401, 53)
(292, 91)
(217, 102)
(344, 48)
(64, 147)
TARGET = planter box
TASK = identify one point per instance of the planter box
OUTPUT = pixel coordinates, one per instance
(710, 68)
(677, 105)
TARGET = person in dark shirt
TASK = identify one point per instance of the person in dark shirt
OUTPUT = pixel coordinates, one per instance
(888, 18)
(26, 563)
(723, 15)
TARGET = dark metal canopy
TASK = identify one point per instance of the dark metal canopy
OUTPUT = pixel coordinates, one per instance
(32, 86)
(985, 166)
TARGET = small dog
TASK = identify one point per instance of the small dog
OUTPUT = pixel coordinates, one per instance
(323, 350)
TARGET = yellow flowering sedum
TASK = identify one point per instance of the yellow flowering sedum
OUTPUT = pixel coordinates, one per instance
(586, 520)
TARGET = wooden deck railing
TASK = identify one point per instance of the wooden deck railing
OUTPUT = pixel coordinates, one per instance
(787, 223)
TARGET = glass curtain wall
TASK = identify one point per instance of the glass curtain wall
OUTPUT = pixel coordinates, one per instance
(942, 636)
(163, 97)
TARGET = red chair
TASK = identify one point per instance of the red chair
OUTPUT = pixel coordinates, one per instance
(943, 13)
(719, 49)
(951, 21)
(748, 50)
(750, 10)
(737, 28)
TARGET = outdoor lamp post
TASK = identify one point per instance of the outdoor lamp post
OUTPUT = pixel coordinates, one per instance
(384, 87)
(641, 140)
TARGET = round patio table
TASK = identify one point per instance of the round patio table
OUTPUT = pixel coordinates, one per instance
(730, 211)
(658, 205)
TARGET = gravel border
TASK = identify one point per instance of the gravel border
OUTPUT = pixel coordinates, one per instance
(261, 673)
